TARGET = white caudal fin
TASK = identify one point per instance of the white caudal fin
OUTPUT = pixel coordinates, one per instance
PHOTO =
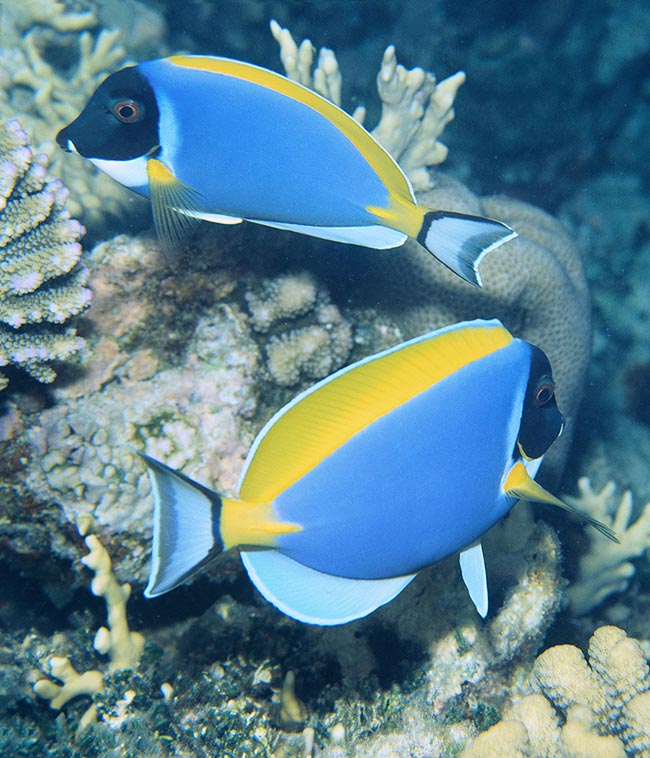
(185, 527)
(313, 597)
(472, 567)
(460, 241)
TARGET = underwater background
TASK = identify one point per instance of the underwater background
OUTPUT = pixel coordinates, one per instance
(105, 343)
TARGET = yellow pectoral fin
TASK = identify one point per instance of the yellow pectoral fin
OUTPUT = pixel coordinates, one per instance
(174, 205)
(520, 484)
(251, 524)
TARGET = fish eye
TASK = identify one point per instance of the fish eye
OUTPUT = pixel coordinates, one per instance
(127, 111)
(544, 391)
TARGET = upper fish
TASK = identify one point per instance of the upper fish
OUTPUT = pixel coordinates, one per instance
(216, 139)
(373, 474)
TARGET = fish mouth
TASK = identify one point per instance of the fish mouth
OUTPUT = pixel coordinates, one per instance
(66, 143)
(69, 147)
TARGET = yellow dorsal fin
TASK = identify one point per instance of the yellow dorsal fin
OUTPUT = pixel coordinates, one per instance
(323, 418)
(520, 484)
(172, 203)
(244, 523)
(382, 163)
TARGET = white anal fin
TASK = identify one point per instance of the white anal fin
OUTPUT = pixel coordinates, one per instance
(313, 597)
(472, 567)
(374, 236)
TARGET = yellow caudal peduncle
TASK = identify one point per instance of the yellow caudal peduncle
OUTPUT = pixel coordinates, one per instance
(251, 524)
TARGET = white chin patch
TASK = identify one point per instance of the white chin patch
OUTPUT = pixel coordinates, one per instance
(131, 173)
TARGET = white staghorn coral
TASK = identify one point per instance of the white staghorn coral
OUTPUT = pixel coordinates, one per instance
(605, 569)
(415, 107)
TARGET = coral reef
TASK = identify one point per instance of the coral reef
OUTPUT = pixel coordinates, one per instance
(192, 391)
(123, 646)
(536, 284)
(41, 283)
(187, 364)
(303, 352)
(605, 569)
(50, 64)
(415, 107)
(601, 707)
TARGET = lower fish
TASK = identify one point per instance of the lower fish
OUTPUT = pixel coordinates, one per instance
(372, 475)
(220, 140)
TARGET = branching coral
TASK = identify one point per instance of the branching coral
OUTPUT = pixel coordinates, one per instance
(605, 569)
(602, 706)
(306, 350)
(123, 646)
(41, 283)
(45, 93)
(415, 107)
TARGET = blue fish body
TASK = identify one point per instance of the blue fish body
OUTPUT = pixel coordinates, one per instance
(219, 140)
(415, 463)
(304, 146)
(374, 473)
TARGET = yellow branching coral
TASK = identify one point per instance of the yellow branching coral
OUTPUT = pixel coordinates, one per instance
(614, 684)
(123, 646)
(605, 568)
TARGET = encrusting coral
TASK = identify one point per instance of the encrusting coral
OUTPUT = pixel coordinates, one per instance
(41, 283)
(123, 646)
(606, 569)
(598, 708)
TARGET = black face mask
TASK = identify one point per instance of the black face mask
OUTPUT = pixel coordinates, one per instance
(541, 421)
(119, 122)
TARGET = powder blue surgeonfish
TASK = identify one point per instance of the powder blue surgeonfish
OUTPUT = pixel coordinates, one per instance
(378, 471)
(215, 139)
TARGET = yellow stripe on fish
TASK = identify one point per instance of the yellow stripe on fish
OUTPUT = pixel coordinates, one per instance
(376, 156)
(321, 420)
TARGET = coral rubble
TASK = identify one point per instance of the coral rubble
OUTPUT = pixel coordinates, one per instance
(41, 282)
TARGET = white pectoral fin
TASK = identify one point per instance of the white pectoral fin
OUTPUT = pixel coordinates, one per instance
(213, 218)
(313, 597)
(472, 567)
